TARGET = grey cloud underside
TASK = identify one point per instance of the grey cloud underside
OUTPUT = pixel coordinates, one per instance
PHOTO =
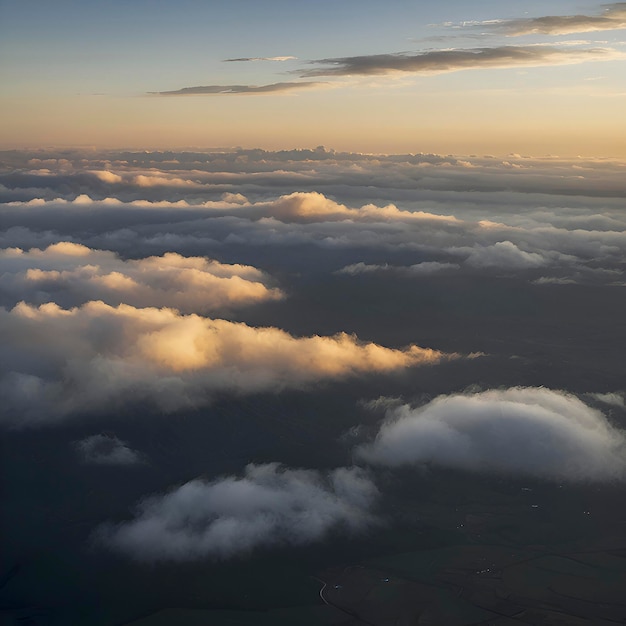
(454, 60)
(613, 18)
(107, 449)
(237, 89)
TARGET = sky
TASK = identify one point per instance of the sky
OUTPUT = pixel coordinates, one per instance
(290, 291)
(450, 77)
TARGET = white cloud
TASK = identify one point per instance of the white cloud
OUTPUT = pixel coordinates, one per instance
(78, 274)
(267, 506)
(96, 358)
(502, 254)
(526, 431)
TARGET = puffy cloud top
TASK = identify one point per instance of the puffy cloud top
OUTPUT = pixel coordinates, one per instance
(78, 274)
(96, 357)
(526, 431)
(267, 506)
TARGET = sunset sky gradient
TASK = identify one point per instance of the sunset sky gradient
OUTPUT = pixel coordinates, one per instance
(452, 77)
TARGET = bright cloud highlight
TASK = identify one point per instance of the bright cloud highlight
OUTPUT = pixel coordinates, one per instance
(97, 358)
(75, 274)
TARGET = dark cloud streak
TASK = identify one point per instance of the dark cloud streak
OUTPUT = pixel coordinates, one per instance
(438, 61)
(614, 18)
(235, 89)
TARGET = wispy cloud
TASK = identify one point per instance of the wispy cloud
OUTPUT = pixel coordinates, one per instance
(243, 59)
(439, 61)
(613, 18)
(106, 449)
(235, 89)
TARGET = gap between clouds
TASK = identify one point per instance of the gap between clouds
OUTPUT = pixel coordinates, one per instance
(520, 432)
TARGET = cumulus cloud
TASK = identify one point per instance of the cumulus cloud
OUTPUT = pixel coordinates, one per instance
(425, 268)
(503, 254)
(267, 506)
(525, 431)
(237, 89)
(73, 274)
(97, 358)
(106, 449)
(613, 18)
(439, 61)
(316, 207)
(107, 177)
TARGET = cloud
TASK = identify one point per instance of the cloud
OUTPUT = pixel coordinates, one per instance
(267, 506)
(439, 61)
(106, 449)
(566, 211)
(425, 268)
(98, 358)
(525, 431)
(237, 89)
(72, 274)
(243, 59)
(613, 18)
(315, 207)
(107, 177)
(616, 398)
(502, 254)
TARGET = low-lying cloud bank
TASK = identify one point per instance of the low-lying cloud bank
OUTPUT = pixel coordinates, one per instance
(519, 431)
(76, 274)
(95, 358)
(267, 506)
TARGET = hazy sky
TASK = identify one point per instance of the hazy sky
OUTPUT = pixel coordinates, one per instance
(448, 77)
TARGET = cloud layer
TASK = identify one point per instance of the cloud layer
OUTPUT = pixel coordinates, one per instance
(559, 221)
(267, 506)
(524, 431)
